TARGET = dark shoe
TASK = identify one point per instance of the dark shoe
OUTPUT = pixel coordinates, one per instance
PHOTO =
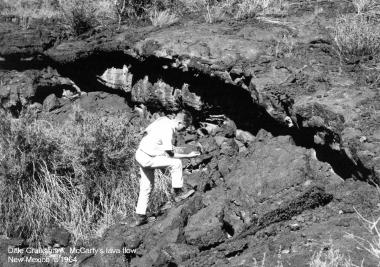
(180, 195)
(140, 220)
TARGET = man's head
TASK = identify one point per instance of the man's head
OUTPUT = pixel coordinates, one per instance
(183, 119)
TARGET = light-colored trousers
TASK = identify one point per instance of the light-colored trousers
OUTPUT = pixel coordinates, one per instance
(147, 166)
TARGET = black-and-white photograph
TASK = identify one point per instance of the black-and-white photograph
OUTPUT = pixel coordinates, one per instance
(189, 133)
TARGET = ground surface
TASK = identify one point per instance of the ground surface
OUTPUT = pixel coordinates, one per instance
(282, 191)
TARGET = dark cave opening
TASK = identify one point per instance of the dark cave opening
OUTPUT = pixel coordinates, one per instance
(43, 92)
(219, 97)
(338, 159)
(20, 62)
(16, 110)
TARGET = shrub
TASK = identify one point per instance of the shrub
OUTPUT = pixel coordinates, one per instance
(133, 9)
(79, 15)
(357, 37)
(81, 176)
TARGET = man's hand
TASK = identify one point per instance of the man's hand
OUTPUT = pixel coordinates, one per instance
(193, 154)
(183, 156)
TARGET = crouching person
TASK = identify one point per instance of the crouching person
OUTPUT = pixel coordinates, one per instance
(157, 152)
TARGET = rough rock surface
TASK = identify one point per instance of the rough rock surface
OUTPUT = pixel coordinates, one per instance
(183, 67)
(263, 188)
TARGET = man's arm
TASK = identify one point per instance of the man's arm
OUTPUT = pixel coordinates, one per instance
(192, 154)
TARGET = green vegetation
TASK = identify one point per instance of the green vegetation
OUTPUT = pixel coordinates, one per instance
(81, 175)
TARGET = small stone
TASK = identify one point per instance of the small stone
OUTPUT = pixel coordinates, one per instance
(307, 183)
(294, 226)
(363, 139)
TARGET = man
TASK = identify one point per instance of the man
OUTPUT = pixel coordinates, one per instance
(156, 152)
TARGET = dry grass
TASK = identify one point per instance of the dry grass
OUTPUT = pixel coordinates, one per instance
(332, 258)
(215, 11)
(82, 15)
(30, 9)
(372, 246)
(81, 176)
(162, 18)
(357, 37)
(363, 6)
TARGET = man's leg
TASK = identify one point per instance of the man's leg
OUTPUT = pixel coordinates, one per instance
(175, 168)
(146, 187)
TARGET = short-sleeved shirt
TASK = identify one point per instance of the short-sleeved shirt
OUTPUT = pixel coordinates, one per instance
(159, 137)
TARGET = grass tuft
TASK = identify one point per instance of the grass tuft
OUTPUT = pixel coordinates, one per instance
(357, 37)
(79, 15)
(162, 18)
(331, 258)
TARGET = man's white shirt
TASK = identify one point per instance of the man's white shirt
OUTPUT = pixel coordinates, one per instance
(159, 137)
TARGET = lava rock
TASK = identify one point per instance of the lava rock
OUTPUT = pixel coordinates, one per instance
(179, 252)
(226, 165)
(50, 103)
(205, 228)
(229, 148)
(227, 129)
(244, 136)
(272, 166)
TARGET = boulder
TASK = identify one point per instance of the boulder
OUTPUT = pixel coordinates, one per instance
(50, 103)
(17, 88)
(177, 253)
(118, 79)
(244, 136)
(26, 42)
(227, 129)
(205, 228)
(272, 166)
(229, 148)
